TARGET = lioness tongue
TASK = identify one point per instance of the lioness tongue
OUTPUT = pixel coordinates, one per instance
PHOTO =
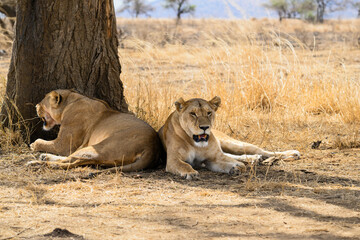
(203, 136)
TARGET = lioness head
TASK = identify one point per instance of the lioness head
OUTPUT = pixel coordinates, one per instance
(196, 118)
(51, 108)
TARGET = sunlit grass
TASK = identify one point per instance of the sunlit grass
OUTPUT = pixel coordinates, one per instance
(271, 89)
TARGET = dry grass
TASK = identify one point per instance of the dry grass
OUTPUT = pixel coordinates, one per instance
(282, 86)
(273, 85)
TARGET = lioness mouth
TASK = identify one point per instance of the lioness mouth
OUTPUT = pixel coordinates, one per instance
(201, 138)
(49, 122)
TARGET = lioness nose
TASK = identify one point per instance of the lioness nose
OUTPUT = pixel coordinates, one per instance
(204, 127)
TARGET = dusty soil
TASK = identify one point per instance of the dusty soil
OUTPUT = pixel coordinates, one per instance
(313, 198)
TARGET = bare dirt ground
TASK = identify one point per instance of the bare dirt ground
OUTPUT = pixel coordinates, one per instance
(316, 197)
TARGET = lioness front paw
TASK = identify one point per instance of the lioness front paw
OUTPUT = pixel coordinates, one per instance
(35, 145)
(237, 169)
(43, 157)
(191, 175)
(32, 147)
(35, 163)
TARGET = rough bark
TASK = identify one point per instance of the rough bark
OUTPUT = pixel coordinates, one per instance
(62, 44)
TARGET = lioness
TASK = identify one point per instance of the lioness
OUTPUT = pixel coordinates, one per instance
(189, 140)
(92, 133)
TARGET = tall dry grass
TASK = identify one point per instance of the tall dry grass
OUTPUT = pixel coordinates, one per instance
(282, 85)
(276, 89)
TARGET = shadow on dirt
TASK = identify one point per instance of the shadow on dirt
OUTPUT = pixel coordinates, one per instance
(272, 181)
(238, 185)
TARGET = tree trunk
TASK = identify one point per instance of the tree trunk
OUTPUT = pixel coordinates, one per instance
(320, 11)
(179, 10)
(62, 44)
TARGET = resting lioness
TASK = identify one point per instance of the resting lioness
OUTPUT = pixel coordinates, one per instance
(92, 133)
(189, 140)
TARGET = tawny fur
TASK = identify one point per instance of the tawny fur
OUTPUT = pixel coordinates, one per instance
(93, 134)
(220, 153)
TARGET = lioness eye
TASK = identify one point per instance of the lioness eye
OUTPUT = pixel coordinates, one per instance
(193, 114)
(209, 114)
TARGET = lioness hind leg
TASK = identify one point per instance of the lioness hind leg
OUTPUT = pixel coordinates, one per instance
(140, 162)
(45, 157)
(70, 162)
(67, 163)
(84, 156)
(51, 157)
(252, 159)
(240, 148)
(289, 155)
(236, 147)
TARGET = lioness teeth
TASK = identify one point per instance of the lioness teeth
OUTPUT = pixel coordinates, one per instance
(201, 138)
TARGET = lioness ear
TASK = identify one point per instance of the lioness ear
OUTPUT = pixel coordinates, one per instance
(179, 104)
(215, 102)
(56, 98)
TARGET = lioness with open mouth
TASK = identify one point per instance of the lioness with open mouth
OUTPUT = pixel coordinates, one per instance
(93, 134)
(189, 140)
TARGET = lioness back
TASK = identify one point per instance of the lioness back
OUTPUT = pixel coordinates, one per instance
(92, 133)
